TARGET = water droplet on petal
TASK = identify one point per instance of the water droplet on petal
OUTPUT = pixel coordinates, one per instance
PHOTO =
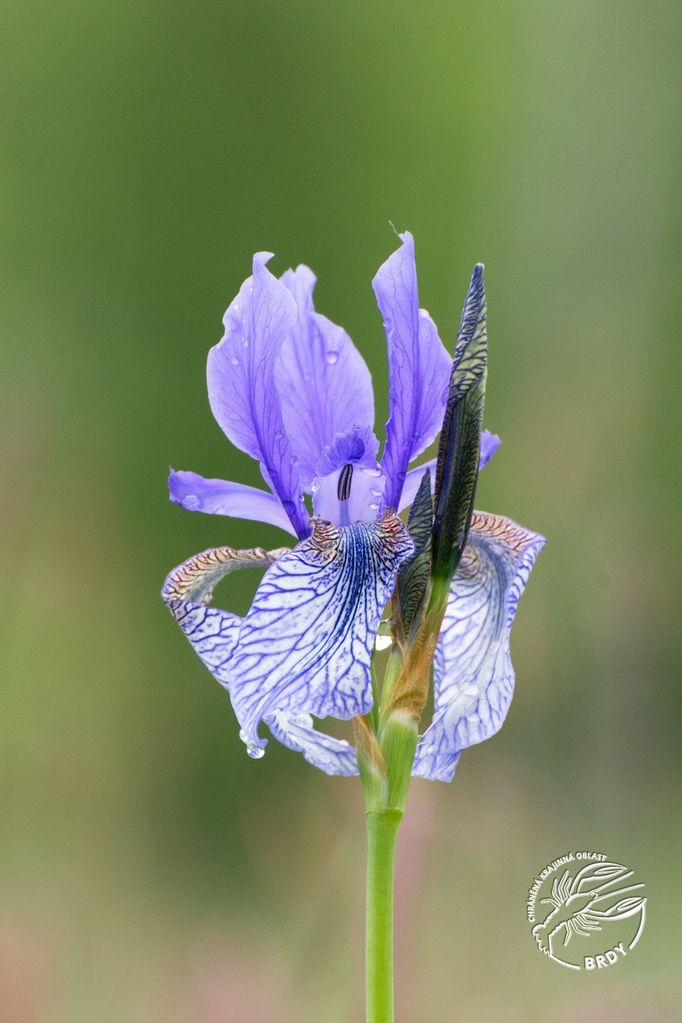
(369, 471)
(314, 486)
(253, 749)
(332, 358)
(234, 360)
(374, 506)
(191, 502)
(245, 342)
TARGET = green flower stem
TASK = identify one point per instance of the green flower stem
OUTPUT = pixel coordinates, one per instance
(382, 828)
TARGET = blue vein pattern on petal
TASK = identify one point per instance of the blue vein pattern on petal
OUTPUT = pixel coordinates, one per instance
(490, 442)
(241, 385)
(333, 756)
(187, 592)
(306, 643)
(218, 497)
(473, 673)
(419, 368)
(323, 382)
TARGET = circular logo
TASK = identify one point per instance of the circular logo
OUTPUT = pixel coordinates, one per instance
(586, 911)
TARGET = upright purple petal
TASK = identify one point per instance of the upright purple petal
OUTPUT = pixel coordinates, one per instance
(333, 756)
(306, 644)
(419, 368)
(324, 385)
(241, 384)
(187, 592)
(490, 442)
(473, 673)
(218, 497)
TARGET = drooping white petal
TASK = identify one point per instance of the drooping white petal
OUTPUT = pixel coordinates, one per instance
(333, 756)
(306, 643)
(187, 592)
(473, 673)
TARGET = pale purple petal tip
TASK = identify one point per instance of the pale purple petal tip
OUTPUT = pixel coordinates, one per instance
(219, 497)
(490, 442)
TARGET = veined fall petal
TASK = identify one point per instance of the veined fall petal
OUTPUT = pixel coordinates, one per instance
(306, 643)
(188, 590)
(473, 673)
(331, 755)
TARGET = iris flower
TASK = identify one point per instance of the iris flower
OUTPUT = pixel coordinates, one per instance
(288, 387)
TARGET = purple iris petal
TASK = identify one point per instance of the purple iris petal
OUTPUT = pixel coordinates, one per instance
(473, 673)
(187, 591)
(306, 643)
(419, 368)
(218, 497)
(490, 442)
(241, 385)
(356, 445)
(324, 385)
(333, 756)
(349, 484)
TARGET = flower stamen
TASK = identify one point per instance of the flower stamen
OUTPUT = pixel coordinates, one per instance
(344, 482)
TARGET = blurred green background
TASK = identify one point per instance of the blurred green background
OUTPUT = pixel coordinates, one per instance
(150, 871)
